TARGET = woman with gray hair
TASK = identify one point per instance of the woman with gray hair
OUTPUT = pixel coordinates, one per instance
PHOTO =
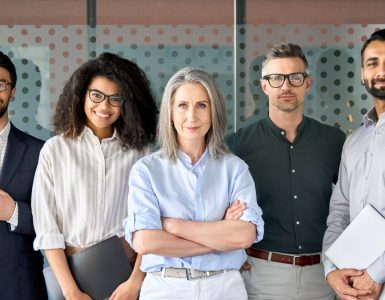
(192, 205)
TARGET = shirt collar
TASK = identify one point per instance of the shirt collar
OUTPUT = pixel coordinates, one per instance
(370, 118)
(88, 132)
(5, 132)
(187, 159)
(282, 133)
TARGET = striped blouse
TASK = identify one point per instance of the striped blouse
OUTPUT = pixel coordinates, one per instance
(79, 195)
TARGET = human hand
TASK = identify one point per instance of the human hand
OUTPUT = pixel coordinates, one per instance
(365, 282)
(169, 224)
(339, 281)
(235, 210)
(7, 206)
(128, 290)
(78, 295)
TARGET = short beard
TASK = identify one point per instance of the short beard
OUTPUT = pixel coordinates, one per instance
(376, 93)
(3, 109)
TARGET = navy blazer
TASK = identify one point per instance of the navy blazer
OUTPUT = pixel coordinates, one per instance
(21, 267)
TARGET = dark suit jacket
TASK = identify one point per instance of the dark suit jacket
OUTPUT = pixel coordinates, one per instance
(21, 274)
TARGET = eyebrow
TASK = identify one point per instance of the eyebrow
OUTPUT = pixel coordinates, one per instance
(96, 90)
(371, 59)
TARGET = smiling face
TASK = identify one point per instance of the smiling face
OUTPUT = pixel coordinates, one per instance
(373, 69)
(101, 116)
(286, 98)
(191, 114)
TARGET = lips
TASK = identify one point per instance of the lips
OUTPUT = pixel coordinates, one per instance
(192, 128)
(102, 115)
(286, 97)
(380, 83)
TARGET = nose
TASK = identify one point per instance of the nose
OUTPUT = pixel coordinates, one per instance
(105, 103)
(381, 70)
(286, 84)
(191, 113)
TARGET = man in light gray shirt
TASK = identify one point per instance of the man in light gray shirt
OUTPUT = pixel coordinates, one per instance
(361, 180)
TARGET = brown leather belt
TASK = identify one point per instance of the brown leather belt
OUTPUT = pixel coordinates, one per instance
(296, 260)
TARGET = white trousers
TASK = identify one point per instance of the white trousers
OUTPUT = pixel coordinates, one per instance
(269, 280)
(226, 286)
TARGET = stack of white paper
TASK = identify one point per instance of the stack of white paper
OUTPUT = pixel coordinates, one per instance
(362, 242)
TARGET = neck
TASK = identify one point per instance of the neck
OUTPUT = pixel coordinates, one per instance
(194, 149)
(288, 121)
(103, 134)
(379, 105)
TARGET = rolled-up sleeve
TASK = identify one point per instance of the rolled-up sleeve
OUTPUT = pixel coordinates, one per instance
(43, 205)
(244, 191)
(143, 205)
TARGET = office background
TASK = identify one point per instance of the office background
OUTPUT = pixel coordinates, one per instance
(49, 39)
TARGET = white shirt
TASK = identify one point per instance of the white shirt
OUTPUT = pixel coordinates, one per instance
(361, 181)
(79, 196)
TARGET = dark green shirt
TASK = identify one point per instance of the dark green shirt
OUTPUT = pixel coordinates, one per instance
(293, 180)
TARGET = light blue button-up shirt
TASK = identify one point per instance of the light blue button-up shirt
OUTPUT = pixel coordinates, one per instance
(159, 188)
(361, 181)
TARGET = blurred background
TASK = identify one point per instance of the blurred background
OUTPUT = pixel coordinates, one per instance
(49, 39)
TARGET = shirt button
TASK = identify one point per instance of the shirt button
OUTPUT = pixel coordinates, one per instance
(299, 247)
(295, 196)
(297, 222)
(291, 147)
(282, 132)
(293, 171)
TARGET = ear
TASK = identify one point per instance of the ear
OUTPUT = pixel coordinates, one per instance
(13, 93)
(362, 76)
(264, 86)
(308, 82)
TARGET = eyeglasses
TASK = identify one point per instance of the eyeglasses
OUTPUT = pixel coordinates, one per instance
(98, 97)
(3, 85)
(277, 80)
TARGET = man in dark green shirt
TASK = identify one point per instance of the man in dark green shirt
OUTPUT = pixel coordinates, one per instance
(294, 161)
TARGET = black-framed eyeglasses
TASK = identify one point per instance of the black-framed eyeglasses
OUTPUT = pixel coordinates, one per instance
(3, 85)
(277, 80)
(98, 97)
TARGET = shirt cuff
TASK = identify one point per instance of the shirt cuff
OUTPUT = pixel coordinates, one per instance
(14, 220)
(49, 241)
(257, 220)
(328, 266)
(377, 270)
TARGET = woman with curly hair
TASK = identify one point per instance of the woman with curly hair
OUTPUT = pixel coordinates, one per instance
(105, 120)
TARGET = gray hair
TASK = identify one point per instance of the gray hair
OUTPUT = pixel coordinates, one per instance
(283, 51)
(167, 135)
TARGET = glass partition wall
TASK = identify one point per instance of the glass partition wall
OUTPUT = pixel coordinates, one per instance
(49, 39)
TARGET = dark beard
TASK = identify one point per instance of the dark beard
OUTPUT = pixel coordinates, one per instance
(376, 93)
(3, 109)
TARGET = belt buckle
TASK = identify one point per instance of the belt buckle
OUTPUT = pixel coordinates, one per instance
(294, 258)
(190, 274)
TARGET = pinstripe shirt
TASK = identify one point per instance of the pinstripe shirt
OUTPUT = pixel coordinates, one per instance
(3, 142)
(79, 196)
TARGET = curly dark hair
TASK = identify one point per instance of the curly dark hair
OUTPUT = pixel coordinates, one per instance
(136, 125)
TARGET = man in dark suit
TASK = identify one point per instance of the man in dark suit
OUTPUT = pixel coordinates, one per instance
(21, 274)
